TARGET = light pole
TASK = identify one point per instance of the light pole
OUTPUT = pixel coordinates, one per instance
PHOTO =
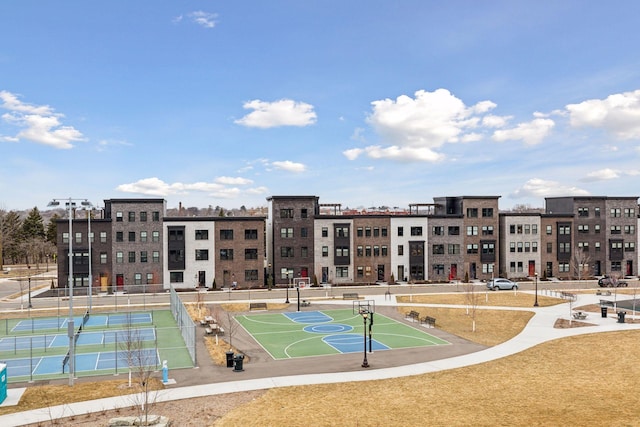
(365, 313)
(535, 304)
(70, 204)
(29, 276)
(289, 275)
(88, 207)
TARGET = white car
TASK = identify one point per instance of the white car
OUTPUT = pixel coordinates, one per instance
(500, 283)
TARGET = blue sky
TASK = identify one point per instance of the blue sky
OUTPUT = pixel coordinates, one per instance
(364, 103)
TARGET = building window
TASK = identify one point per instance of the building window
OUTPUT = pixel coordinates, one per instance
(472, 230)
(488, 248)
(512, 247)
(616, 229)
(155, 256)
(119, 217)
(286, 232)
(487, 268)
(251, 234)
(487, 230)
(520, 246)
(342, 251)
(383, 231)
(286, 252)
(132, 217)
(155, 236)
(376, 232)
(143, 236)
(454, 230)
(342, 272)
(534, 228)
(78, 237)
(563, 267)
(564, 247)
(549, 230)
(65, 237)
(176, 234)
(472, 212)
(119, 236)
(119, 257)
(472, 248)
(342, 231)
(226, 254)
(251, 275)
(584, 246)
(202, 234)
(325, 251)
(360, 231)
(564, 230)
(384, 250)
(132, 256)
(453, 249)
(304, 252)
(629, 246)
(143, 217)
(286, 213)
(596, 212)
(549, 247)
(596, 228)
(155, 216)
(132, 236)
(360, 251)
(487, 212)
(629, 229)
(143, 256)
(583, 212)
(437, 230)
(615, 212)
(437, 249)
(512, 229)
(250, 254)
(149, 277)
(376, 250)
(367, 250)
(367, 232)
(527, 246)
(176, 277)
(103, 257)
(616, 266)
(303, 232)
(512, 267)
(103, 237)
(400, 231)
(534, 246)
(360, 272)
(583, 228)
(226, 234)
(400, 249)
(438, 269)
(325, 232)
(137, 279)
(202, 254)
(629, 212)
(303, 213)
(416, 231)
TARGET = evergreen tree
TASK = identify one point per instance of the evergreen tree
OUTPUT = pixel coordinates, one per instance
(12, 237)
(33, 225)
(52, 229)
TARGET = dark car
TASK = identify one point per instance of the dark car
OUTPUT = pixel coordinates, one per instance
(610, 282)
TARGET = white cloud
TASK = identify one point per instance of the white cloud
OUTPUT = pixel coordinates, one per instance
(537, 187)
(415, 128)
(602, 175)
(228, 180)
(41, 124)
(531, 133)
(223, 187)
(284, 112)
(204, 19)
(289, 166)
(618, 114)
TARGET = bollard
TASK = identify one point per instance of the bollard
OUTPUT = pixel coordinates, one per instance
(165, 372)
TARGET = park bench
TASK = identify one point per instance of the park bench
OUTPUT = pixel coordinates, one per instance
(429, 321)
(413, 315)
(257, 306)
(350, 295)
(579, 315)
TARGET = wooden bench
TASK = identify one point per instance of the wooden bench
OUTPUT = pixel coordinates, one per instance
(350, 295)
(257, 306)
(305, 303)
(413, 315)
(208, 330)
(429, 321)
(579, 315)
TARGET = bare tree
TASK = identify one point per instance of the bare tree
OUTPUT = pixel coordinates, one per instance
(228, 323)
(580, 261)
(472, 299)
(142, 362)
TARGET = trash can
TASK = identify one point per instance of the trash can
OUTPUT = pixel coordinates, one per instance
(621, 315)
(229, 359)
(237, 362)
(603, 311)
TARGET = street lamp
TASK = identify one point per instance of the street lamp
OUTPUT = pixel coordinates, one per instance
(70, 204)
(289, 276)
(535, 304)
(365, 314)
(29, 277)
(88, 207)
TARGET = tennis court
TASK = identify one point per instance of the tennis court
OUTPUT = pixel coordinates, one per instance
(38, 348)
(327, 332)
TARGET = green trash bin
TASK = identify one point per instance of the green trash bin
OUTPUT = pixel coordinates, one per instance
(238, 362)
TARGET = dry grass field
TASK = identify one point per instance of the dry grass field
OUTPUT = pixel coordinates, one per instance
(587, 379)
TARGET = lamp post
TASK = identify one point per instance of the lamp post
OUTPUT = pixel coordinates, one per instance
(365, 314)
(29, 277)
(70, 204)
(289, 275)
(88, 207)
(535, 304)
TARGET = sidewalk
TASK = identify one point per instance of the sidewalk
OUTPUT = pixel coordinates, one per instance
(539, 329)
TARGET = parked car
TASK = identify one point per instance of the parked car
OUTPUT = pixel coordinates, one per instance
(500, 283)
(610, 282)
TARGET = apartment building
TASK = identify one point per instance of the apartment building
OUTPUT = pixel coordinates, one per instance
(520, 245)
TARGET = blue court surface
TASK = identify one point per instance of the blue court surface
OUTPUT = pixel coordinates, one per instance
(328, 332)
(95, 320)
(102, 361)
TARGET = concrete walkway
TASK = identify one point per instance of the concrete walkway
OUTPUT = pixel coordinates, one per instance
(539, 329)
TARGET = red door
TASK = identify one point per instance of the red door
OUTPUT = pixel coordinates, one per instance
(532, 268)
